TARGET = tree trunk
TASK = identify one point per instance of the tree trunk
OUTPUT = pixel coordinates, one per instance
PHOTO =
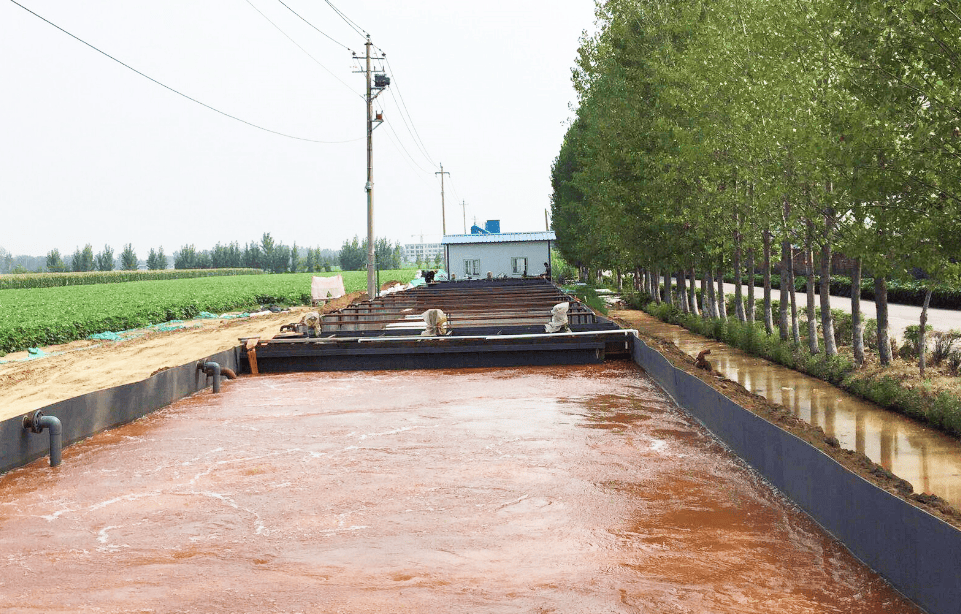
(922, 334)
(656, 285)
(827, 321)
(750, 285)
(711, 298)
(637, 279)
(705, 303)
(721, 304)
(881, 301)
(682, 292)
(795, 330)
(694, 308)
(857, 324)
(812, 307)
(620, 281)
(738, 292)
(768, 316)
(785, 297)
(668, 298)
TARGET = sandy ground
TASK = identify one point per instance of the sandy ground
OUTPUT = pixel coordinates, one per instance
(80, 367)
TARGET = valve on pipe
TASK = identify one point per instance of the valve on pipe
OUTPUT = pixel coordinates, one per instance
(36, 422)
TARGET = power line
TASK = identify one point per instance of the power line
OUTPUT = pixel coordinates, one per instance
(397, 147)
(167, 87)
(401, 94)
(279, 29)
(399, 142)
(348, 21)
(313, 26)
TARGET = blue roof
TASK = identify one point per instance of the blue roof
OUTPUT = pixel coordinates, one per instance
(502, 237)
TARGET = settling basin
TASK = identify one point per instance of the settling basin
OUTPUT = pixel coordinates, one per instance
(927, 458)
(568, 489)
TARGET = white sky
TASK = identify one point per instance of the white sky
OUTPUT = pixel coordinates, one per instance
(91, 152)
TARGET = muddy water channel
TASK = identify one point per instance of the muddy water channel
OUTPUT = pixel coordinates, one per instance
(930, 460)
(524, 490)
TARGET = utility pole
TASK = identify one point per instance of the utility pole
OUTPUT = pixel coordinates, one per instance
(381, 81)
(443, 213)
(463, 205)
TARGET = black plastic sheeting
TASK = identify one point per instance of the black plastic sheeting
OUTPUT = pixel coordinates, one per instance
(919, 554)
(91, 413)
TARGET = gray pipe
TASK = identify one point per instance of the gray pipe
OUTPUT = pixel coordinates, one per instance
(36, 422)
(211, 368)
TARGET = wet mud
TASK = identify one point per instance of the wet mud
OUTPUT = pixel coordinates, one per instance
(574, 489)
(925, 457)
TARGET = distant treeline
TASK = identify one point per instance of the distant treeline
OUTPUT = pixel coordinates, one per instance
(267, 254)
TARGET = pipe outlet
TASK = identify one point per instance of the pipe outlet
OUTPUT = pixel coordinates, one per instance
(213, 369)
(36, 422)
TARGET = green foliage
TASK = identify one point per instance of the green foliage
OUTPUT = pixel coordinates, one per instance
(353, 256)
(588, 296)
(37, 317)
(54, 280)
(105, 259)
(128, 258)
(157, 260)
(82, 260)
(55, 263)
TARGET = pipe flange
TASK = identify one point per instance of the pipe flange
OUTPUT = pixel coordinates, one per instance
(31, 422)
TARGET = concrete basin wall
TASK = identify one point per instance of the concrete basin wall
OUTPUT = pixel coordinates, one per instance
(919, 554)
(91, 413)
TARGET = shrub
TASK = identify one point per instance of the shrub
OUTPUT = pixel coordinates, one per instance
(943, 345)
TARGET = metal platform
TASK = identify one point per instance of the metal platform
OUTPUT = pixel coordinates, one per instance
(493, 323)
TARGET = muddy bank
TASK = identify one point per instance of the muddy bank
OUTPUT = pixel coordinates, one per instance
(920, 460)
(543, 489)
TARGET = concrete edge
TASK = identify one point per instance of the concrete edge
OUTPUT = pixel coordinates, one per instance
(94, 412)
(918, 553)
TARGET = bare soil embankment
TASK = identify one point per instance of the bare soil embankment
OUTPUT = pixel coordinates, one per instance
(80, 367)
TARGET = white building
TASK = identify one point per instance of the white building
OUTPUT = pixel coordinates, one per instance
(422, 252)
(507, 254)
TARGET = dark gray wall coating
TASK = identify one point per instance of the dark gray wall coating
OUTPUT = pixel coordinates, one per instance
(919, 554)
(91, 413)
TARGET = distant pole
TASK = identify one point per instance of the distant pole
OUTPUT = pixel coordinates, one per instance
(463, 205)
(371, 273)
(443, 213)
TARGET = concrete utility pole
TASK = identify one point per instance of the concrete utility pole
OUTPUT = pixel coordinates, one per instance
(463, 205)
(443, 213)
(381, 81)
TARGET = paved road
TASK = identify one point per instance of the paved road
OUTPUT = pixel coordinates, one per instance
(900, 316)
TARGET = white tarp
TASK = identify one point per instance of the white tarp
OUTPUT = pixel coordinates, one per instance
(558, 321)
(324, 288)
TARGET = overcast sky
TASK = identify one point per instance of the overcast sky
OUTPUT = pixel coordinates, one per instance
(91, 152)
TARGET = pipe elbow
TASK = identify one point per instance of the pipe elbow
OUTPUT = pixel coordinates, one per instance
(52, 423)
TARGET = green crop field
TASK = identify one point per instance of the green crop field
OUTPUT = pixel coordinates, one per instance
(36, 317)
(50, 280)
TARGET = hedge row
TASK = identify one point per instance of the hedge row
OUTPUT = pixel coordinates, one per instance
(901, 292)
(56, 280)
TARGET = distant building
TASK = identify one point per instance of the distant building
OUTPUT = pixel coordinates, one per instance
(422, 252)
(502, 254)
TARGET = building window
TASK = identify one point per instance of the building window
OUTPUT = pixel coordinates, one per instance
(519, 266)
(471, 267)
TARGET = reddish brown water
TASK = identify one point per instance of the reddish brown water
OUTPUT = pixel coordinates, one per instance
(928, 459)
(524, 490)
